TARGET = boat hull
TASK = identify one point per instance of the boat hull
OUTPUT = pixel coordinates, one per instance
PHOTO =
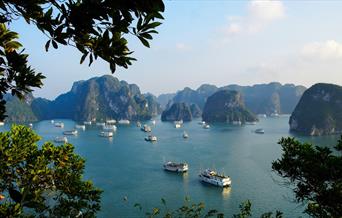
(215, 182)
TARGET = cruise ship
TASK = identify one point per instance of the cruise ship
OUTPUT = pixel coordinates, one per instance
(125, 122)
(146, 128)
(213, 178)
(109, 128)
(61, 139)
(151, 138)
(110, 122)
(87, 122)
(176, 167)
(70, 132)
(59, 124)
(79, 126)
(106, 134)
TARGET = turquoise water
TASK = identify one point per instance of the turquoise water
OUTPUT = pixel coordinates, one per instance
(127, 166)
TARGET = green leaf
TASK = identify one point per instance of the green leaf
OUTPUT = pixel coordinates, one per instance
(144, 41)
(47, 45)
(54, 44)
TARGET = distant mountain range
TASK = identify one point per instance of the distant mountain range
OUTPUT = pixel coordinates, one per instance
(260, 99)
(106, 97)
(98, 98)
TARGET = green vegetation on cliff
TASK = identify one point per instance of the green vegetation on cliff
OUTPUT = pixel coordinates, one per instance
(319, 111)
(227, 106)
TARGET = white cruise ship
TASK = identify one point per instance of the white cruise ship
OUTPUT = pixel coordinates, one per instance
(100, 124)
(151, 138)
(212, 177)
(70, 132)
(78, 126)
(59, 124)
(106, 134)
(61, 139)
(87, 122)
(110, 122)
(176, 167)
(109, 128)
(126, 122)
(146, 128)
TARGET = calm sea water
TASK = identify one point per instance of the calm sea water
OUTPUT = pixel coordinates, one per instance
(128, 167)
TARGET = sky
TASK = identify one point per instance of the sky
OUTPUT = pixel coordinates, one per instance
(215, 42)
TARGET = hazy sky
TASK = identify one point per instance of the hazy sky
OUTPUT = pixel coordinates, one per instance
(216, 42)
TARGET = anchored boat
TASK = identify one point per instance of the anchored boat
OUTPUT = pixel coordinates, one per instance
(59, 124)
(106, 134)
(185, 135)
(70, 132)
(61, 139)
(151, 138)
(213, 178)
(83, 127)
(176, 167)
(146, 128)
(260, 131)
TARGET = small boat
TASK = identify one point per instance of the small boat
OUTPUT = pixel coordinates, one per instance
(110, 122)
(77, 126)
(213, 178)
(52, 121)
(2, 123)
(260, 131)
(176, 167)
(30, 125)
(124, 122)
(251, 123)
(236, 122)
(201, 123)
(178, 125)
(153, 122)
(109, 128)
(59, 124)
(146, 128)
(262, 115)
(275, 114)
(185, 135)
(62, 139)
(87, 122)
(70, 132)
(138, 124)
(206, 126)
(151, 138)
(100, 124)
(106, 134)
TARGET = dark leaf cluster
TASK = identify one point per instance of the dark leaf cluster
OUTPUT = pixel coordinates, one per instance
(97, 28)
(316, 173)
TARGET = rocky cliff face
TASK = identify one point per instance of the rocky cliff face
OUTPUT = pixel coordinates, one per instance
(319, 111)
(227, 106)
(19, 110)
(178, 111)
(260, 99)
(99, 98)
(269, 98)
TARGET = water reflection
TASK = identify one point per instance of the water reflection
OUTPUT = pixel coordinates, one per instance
(226, 192)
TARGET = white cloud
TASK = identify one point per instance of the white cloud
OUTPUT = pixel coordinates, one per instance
(259, 15)
(327, 50)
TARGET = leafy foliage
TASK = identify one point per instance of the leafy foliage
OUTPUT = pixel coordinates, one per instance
(94, 27)
(193, 210)
(97, 28)
(44, 181)
(316, 173)
(15, 74)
